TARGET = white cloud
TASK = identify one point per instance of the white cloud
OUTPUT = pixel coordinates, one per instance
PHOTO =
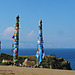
(8, 33)
(31, 34)
(8, 30)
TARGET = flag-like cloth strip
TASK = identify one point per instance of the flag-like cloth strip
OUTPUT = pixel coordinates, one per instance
(40, 51)
(16, 41)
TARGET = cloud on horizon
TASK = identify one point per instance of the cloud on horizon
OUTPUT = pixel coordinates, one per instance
(8, 33)
(30, 35)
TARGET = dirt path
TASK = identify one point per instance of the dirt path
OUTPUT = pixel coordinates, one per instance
(11, 70)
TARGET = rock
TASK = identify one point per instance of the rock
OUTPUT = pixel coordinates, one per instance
(54, 62)
(60, 59)
(29, 63)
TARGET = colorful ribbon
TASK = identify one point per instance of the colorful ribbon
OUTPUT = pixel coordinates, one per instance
(40, 51)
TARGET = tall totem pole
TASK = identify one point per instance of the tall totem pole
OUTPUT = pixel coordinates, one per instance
(16, 41)
(40, 51)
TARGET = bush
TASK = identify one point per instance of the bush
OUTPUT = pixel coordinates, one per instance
(0, 61)
(6, 63)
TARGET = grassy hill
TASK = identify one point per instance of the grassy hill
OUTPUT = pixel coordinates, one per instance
(49, 61)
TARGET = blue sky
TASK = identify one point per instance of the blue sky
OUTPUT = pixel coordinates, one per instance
(58, 18)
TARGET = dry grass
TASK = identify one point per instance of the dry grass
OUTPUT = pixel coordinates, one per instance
(6, 73)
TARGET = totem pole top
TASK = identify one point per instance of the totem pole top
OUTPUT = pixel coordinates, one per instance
(17, 17)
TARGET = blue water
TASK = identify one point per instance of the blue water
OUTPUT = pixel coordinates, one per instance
(68, 54)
